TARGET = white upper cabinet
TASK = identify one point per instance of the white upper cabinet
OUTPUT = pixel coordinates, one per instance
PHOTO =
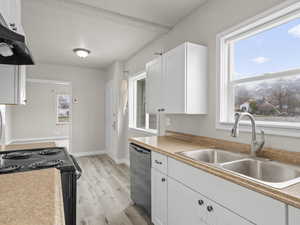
(185, 79)
(11, 12)
(153, 85)
(177, 83)
(12, 85)
(4, 9)
(294, 216)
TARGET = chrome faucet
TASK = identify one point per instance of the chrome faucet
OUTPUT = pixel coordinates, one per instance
(256, 146)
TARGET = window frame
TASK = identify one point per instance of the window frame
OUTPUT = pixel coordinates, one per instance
(225, 95)
(133, 102)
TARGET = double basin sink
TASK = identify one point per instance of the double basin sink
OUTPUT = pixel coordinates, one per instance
(267, 172)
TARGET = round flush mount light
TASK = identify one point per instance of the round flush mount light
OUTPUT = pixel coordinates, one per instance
(81, 52)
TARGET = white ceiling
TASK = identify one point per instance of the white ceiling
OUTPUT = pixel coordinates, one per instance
(166, 12)
(111, 29)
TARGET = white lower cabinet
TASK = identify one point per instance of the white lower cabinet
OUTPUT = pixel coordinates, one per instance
(294, 215)
(159, 185)
(186, 206)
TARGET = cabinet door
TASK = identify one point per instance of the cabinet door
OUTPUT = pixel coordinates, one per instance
(153, 85)
(158, 197)
(7, 84)
(217, 215)
(5, 9)
(184, 205)
(22, 85)
(294, 216)
(174, 80)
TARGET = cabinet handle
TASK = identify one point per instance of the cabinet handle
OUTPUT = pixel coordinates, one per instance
(157, 162)
(163, 179)
(200, 202)
(210, 208)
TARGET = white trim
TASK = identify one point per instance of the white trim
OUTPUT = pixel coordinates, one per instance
(267, 76)
(83, 154)
(43, 139)
(42, 81)
(254, 24)
(132, 104)
(144, 131)
(122, 161)
(286, 131)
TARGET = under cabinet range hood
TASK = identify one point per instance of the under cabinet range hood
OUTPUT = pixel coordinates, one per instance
(13, 49)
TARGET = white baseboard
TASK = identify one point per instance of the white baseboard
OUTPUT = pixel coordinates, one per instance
(82, 154)
(122, 161)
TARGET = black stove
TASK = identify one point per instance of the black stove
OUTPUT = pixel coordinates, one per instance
(26, 160)
(35, 159)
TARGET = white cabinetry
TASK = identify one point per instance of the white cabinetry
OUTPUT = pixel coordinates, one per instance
(159, 197)
(11, 13)
(4, 8)
(177, 83)
(238, 199)
(294, 216)
(153, 85)
(186, 206)
(12, 84)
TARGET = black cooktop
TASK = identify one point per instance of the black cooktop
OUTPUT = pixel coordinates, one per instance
(25, 160)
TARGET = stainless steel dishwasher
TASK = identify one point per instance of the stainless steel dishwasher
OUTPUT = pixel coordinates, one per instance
(140, 177)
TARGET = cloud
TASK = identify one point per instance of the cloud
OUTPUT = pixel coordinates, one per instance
(295, 31)
(260, 60)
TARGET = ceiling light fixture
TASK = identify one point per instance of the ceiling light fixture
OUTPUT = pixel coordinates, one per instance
(81, 52)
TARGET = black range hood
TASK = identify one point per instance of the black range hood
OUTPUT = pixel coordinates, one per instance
(20, 54)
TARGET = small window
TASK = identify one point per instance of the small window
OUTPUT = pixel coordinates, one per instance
(260, 70)
(139, 119)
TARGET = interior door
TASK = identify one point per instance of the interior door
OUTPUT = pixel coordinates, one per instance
(174, 80)
(110, 117)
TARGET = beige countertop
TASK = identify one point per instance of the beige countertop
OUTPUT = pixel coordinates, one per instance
(27, 146)
(31, 198)
(170, 146)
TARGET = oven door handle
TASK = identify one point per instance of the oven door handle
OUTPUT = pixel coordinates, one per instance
(77, 167)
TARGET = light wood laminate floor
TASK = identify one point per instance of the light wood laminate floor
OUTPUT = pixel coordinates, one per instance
(103, 194)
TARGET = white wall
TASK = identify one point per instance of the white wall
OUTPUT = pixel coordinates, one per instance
(202, 27)
(39, 114)
(88, 85)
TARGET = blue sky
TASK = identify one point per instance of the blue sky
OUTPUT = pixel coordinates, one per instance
(273, 50)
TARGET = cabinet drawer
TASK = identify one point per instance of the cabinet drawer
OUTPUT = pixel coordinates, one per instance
(159, 162)
(234, 197)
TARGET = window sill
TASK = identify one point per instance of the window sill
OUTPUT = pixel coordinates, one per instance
(144, 131)
(270, 128)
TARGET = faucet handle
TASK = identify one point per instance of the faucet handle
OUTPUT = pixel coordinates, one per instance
(262, 133)
(234, 132)
(262, 142)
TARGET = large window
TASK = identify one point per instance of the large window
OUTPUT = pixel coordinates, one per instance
(260, 70)
(139, 119)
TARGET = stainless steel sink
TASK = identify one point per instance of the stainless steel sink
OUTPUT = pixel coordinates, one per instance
(271, 173)
(213, 156)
